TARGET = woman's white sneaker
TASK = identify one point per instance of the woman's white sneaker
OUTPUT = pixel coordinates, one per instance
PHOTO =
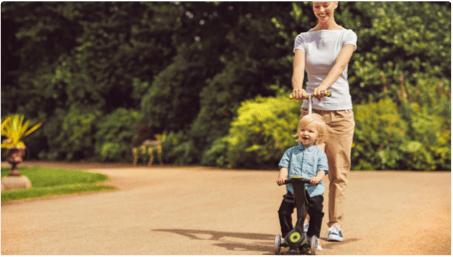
(334, 234)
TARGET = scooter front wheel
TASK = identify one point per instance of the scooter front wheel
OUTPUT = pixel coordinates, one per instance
(277, 244)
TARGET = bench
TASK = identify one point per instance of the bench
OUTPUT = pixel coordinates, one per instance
(147, 149)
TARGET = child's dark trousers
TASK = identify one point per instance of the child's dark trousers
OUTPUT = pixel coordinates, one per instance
(314, 211)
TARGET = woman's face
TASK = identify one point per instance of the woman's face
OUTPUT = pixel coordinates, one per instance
(324, 10)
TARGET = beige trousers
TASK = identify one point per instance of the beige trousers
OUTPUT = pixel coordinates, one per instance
(340, 125)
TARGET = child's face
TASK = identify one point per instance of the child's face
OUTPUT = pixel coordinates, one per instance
(308, 134)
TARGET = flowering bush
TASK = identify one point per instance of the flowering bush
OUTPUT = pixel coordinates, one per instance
(259, 136)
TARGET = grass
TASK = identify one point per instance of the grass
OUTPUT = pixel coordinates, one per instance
(54, 181)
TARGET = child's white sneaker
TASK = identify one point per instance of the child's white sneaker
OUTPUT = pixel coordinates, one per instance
(319, 245)
(334, 234)
(306, 225)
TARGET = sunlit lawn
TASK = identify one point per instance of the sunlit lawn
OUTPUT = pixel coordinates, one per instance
(54, 181)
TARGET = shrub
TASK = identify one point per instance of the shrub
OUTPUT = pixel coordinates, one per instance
(384, 141)
(70, 134)
(427, 109)
(426, 139)
(115, 132)
(260, 134)
(216, 155)
(379, 133)
(178, 148)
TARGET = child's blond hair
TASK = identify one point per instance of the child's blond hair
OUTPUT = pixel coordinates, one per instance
(320, 126)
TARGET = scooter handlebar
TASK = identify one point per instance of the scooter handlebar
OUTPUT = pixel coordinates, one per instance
(302, 180)
(328, 94)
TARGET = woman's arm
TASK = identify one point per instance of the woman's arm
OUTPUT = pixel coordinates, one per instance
(298, 75)
(340, 64)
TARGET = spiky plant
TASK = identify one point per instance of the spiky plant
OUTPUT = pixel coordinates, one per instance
(14, 129)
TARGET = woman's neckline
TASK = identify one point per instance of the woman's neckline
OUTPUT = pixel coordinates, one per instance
(327, 29)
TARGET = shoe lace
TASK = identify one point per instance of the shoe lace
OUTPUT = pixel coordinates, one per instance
(334, 230)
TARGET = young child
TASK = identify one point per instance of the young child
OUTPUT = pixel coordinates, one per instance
(310, 162)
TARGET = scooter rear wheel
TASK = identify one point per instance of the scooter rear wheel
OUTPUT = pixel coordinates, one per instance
(277, 244)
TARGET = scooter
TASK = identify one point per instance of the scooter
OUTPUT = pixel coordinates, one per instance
(296, 240)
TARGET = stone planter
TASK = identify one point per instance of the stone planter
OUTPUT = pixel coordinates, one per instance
(14, 157)
(15, 180)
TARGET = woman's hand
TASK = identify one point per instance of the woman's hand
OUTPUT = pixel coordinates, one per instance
(320, 92)
(280, 181)
(299, 94)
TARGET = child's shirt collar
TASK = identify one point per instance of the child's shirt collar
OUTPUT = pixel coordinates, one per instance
(302, 147)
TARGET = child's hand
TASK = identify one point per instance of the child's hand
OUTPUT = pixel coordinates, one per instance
(280, 181)
(315, 180)
(320, 175)
(282, 176)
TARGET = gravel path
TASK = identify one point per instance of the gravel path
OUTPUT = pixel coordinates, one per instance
(207, 211)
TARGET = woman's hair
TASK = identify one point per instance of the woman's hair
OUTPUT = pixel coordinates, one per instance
(320, 126)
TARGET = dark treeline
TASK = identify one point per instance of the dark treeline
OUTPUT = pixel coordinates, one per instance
(91, 71)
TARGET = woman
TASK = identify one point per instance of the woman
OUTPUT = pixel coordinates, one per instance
(324, 52)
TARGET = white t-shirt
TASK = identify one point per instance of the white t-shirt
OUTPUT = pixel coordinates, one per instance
(322, 48)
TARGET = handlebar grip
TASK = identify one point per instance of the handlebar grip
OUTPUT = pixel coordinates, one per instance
(328, 94)
(307, 181)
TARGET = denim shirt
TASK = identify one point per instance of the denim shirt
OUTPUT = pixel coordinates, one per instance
(305, 162)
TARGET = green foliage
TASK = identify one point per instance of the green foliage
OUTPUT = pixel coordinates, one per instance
(115, 133)
(96, 55)
(177, 148)
(188, 66)
(200, 92)
(394, 40)
(428, 113)
(172, 101)
(219, 104)
(260, 134)
(379, 133)
(424, 122)
(71, 135)
(217, 154)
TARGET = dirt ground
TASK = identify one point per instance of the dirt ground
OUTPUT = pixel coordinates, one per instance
(208, 211)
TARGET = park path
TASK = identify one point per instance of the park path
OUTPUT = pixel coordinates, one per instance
(208, 211)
